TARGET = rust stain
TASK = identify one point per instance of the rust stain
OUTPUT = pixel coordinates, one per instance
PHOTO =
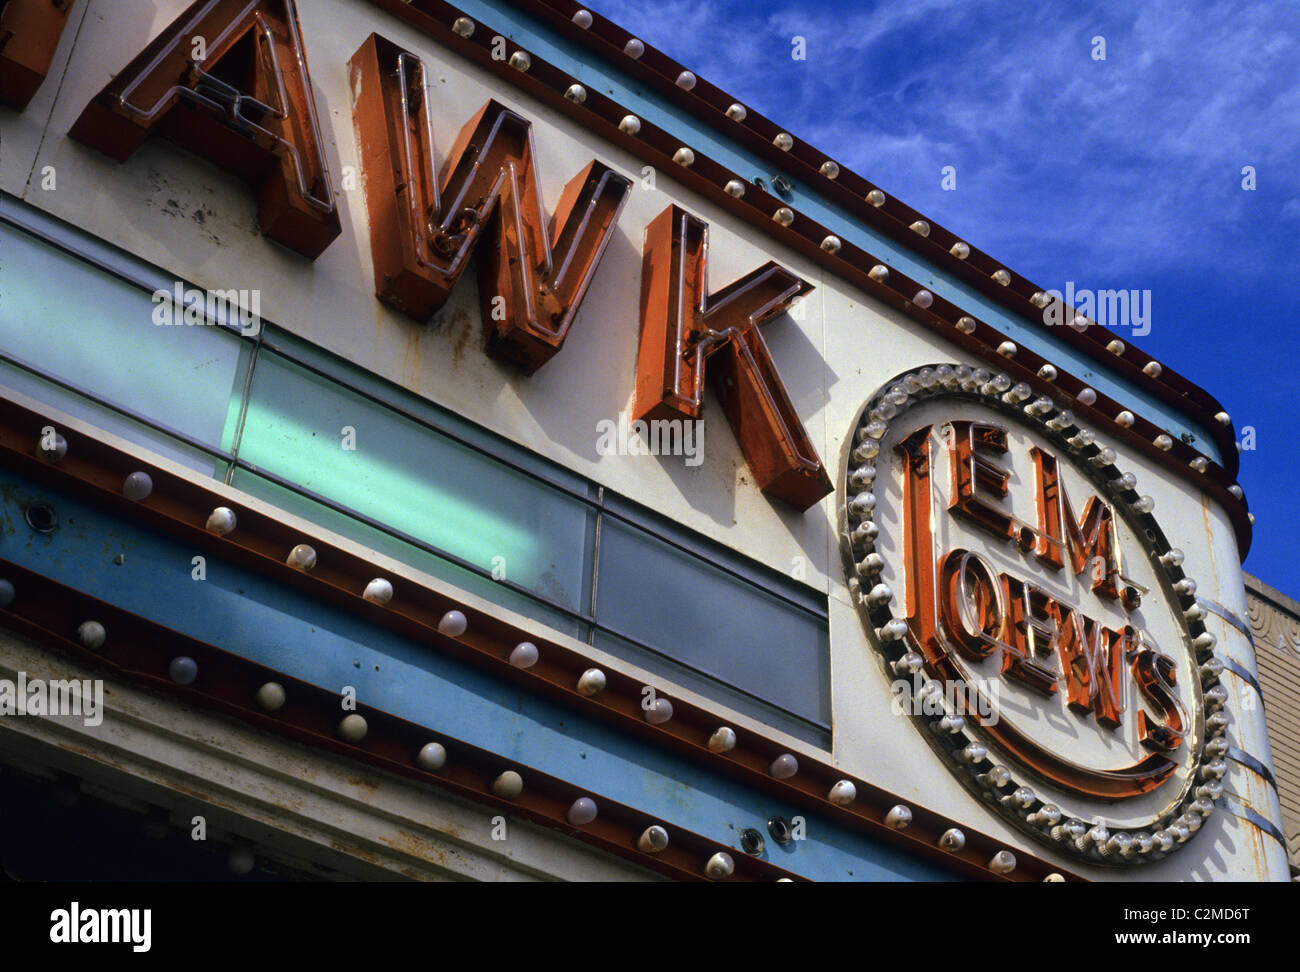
(413, 845)
(411, 356)
(461, 329)
(1209, 531)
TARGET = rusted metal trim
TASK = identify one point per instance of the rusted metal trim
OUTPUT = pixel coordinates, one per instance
(1239, 808)
(602, 115)
(849, 190)
(140, 651)
(30, 31)
(260, 543)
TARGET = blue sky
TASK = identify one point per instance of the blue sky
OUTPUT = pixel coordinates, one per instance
(1122, 173)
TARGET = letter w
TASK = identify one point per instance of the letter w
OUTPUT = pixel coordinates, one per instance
(422, 236)
(1092, 659)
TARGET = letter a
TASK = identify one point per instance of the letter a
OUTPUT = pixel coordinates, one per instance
(29, 34)
(246, 104)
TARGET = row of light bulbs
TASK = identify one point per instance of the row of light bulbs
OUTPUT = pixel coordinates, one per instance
(784, 216)
(271, 696)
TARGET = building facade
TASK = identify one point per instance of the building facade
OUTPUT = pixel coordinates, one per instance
(1275, 632)
(729, 521)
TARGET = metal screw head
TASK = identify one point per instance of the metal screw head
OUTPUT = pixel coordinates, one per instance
(41, 516)
(779, 828)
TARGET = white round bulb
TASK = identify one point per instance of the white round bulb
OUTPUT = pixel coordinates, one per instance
(582, 812)
(432, 756)
(591, 682)
(302, 557)
(92, 635)
(524, 655)
(453, 624)
(843, 793)
(353, 727)
(270, 697)
(508, 785)
(660, 711)
(723, 740)
(783, 767)
(720, 866)
(221, 521)
(137, 486)
(653, 840)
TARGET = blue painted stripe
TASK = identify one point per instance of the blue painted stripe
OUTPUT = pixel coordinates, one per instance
(598, 75)
(330, 648)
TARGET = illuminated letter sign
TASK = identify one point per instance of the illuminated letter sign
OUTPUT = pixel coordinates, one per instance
(29, 33)
(228, 80)
(1066, 649)
(684, 326)
(422, 237)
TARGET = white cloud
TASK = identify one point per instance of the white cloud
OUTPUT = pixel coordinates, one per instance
(1098, 167)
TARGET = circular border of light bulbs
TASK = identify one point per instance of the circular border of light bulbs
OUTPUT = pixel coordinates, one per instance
(1096, 842)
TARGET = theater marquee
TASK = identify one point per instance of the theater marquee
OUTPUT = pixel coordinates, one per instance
(478, 234)
(1015, 581)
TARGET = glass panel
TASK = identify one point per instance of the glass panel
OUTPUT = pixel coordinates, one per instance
(95, 331)
(105, 418)
(742, 567)
(716, 624)
(421, 409)
(400, 550)
(417, 481)
(711, 688)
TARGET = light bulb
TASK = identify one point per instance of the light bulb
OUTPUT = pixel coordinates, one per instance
(524, 655)
(723, 740)
(302, 557)
(432, 756)
(582, 812)
(353, 727)
(270, 697)
(221, 521)
(183, 670)
(783, 767)
(453, 624)
(137, 486)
